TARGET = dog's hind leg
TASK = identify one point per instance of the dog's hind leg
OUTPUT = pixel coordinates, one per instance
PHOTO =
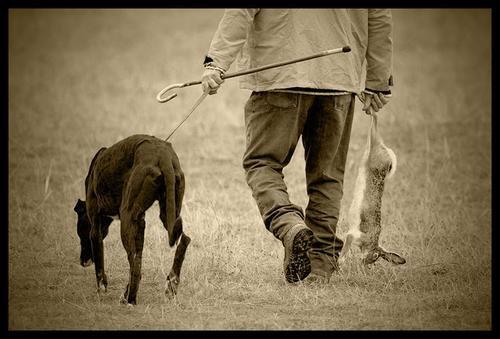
(133, 241)
(173, 278)
(139, 195)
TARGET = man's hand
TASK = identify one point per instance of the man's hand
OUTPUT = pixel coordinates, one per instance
(211, 81)
(373, 102)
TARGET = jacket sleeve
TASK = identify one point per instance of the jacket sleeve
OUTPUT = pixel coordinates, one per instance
(230, 36)
(379, 50)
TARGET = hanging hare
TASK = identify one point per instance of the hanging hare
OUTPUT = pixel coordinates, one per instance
(364, 216)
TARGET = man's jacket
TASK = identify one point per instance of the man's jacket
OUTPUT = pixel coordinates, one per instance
(263, 36)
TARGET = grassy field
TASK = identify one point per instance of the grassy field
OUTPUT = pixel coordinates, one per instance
(81, 79)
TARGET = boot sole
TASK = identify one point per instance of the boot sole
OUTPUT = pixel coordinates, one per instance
(299, 265)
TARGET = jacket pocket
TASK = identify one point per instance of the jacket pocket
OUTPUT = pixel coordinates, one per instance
(342, 102)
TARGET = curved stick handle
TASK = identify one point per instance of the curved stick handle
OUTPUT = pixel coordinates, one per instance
(171, 87)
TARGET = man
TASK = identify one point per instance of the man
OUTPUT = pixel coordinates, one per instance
(312, 99)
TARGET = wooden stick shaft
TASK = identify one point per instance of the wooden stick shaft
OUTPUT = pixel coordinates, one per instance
(284, 63)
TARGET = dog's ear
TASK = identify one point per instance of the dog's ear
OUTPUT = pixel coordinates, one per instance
(392, 257)
(80, 206)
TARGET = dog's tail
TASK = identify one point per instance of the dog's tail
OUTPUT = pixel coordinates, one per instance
(173, 222)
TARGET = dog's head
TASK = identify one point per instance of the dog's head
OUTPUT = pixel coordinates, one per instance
(83, 227)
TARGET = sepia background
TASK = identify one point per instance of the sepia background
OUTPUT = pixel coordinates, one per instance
(83, 79)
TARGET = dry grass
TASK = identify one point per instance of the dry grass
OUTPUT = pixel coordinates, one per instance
(79, 80)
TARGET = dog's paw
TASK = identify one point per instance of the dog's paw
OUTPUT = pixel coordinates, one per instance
(171, 286)
(102, 284)
(102, 288)
(123, 300)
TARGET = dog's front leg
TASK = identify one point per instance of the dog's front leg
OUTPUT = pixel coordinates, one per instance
(96, 238)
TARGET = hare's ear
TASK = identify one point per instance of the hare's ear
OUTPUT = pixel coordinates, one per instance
(391, 257)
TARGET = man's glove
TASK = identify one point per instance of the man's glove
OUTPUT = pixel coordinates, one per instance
(211, 78)
(374, 100)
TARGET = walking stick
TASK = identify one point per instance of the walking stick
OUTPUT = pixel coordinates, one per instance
(160, 98)
(344, 49)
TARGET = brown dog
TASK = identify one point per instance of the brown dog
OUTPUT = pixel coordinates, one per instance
(123, 182)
